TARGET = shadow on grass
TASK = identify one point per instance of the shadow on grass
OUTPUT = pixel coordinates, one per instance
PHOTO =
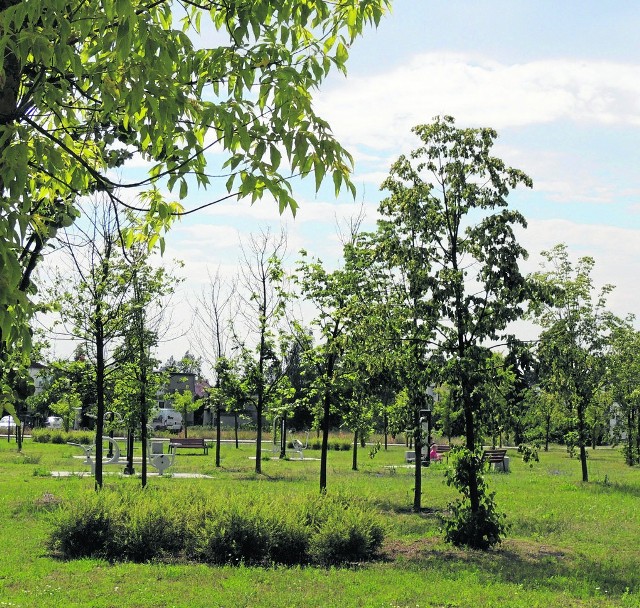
(613, 487)
(531, 565)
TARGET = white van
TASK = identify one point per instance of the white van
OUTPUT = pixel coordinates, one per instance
(167, 419)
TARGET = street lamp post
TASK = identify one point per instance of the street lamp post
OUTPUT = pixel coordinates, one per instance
(425, 421)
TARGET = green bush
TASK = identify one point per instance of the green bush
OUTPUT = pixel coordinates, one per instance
(335, 445)
(141, 526)
(483, 528)
(40, 436)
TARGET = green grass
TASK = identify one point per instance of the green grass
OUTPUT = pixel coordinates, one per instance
(570, 544)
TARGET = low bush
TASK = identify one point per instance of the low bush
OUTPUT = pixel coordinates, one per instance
(142, 526)
(60, 437)
(336, 445)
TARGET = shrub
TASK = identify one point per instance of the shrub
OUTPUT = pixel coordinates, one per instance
(141, 526)
(483, 528)
(40, 436)
(58, 437)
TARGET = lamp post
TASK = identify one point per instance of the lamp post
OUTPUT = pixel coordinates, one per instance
(425, 421)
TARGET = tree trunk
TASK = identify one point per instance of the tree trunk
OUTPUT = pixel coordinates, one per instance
(581, 440)
(218, 436)
(547, 433)
(386, 430)
(354, 460)
(235, 429)
(326, 410)
(417, 442)
(259, 436)
(143, 411)
(474, 496)
(100, 397)
(630, 456)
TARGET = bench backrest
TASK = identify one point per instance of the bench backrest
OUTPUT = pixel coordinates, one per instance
(186, 441)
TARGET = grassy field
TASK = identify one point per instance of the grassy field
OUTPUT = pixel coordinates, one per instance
(570, 544)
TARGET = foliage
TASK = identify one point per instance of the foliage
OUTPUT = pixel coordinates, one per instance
(142, 526)
(86, 86)
(623, 384)
(529, 453)
(573, 341)
(61, 437)
(465, 527)
(448, 201)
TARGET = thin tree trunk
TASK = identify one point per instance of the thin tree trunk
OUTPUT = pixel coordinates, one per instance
(218, 436)
(354, 460)
(100, 398)
(581, 439)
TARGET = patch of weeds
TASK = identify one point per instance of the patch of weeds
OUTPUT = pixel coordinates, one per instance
(41, 472)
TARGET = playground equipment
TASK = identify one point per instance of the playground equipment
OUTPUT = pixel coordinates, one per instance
(161, 462)
(114, 450)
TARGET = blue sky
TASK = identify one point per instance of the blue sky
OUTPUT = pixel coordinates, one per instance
(559, 81)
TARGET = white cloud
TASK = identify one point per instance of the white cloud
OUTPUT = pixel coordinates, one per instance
(375, 111)
(615, 250)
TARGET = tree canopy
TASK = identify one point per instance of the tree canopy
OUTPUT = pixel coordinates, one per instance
(84, 86)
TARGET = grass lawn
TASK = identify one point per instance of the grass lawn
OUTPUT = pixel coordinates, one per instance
(570, 544)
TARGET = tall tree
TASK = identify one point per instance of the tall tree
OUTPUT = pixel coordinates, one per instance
(573, 339)
(94, 301)
(475, 287)
(263, 307)
(623, 383)
(213, 311)
(86, 85)
(344, 299)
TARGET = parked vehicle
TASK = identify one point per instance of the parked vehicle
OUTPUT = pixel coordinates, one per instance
(167, 419)
(7, 424)
(54, 422)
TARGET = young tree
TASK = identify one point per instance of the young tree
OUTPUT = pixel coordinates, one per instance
(573, 338)
(474, 287)
(263, 306)
(622, 381)
(87, 85)
(212, 334)
(347, 323)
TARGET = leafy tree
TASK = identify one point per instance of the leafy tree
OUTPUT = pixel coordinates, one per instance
(87, 85)
(545, 408)
(465, 239)
(16, 387)
(404, 244)
(62, 376)
(573, 338)
(67, 406)
(184, 403)
(622, 381)
(495, 392)
(93, 297)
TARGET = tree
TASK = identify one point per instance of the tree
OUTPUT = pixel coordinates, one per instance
(475, 287)
(345, 322)
(263, 305)
(85, 86)
(622, 380)
(213, 330)
(573, 338)
(94, 301)
(151, 290)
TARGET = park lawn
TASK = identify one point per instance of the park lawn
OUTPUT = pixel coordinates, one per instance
(570, 544)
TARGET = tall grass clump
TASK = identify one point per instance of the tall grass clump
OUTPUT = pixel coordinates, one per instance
(141, 526)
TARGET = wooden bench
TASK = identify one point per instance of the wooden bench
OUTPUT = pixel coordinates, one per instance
(443, 450)
(496, 457)
(190, 443)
